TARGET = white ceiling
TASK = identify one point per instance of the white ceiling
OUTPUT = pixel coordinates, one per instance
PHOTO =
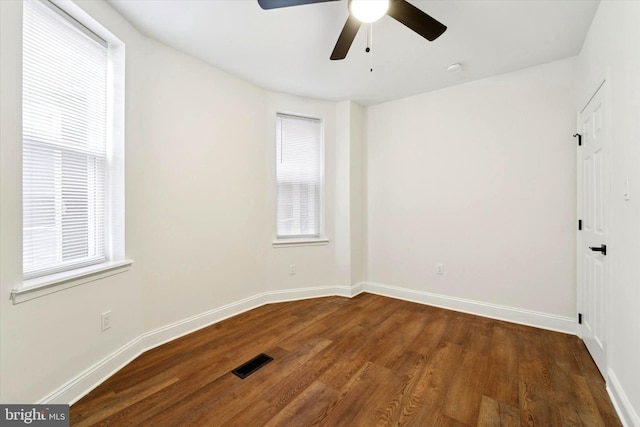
(287, 50)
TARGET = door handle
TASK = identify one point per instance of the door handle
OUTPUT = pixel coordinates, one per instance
(602, 248)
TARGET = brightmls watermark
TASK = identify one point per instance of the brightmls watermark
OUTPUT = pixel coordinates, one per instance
(34, 415)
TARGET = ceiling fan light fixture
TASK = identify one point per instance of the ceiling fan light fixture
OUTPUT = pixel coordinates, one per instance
(368, 10)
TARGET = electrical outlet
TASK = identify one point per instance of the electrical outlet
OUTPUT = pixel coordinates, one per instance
(106, 320)
(292, 269)
(439, 269)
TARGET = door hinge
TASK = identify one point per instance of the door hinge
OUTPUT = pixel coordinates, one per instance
(580, 225)
(579, 138)
(580, 318)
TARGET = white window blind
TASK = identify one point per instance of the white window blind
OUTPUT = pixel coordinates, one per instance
(64, 142)
(299, 170)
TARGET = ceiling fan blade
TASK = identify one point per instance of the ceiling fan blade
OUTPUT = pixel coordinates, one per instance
(276, 4)
(417, 20)
(345, 39)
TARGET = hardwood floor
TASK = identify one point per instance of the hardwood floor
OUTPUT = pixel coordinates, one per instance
(364, 361)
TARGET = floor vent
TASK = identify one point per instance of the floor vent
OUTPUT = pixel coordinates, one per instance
(248, 368)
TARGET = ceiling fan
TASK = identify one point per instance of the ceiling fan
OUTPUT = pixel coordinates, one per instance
(365, 11)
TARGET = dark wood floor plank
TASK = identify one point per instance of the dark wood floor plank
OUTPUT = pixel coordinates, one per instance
(353, 403)
(446, 421)
(504, 362)
(341, 361)
(588, 368)
(381, 402)
(380, 310)
(436, 322)
(590, 414)
(601, 397)
(535, 409)
(365, 361)
(113, 410)
(463, 400)
(387, 334)
(310, 327)
(307, 409)
(497, 414)
(406, 324)
(457, 330)
(564, 356)
(424, 395)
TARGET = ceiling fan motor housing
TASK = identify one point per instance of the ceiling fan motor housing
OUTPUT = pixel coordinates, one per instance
(368, 11)
(400, 10)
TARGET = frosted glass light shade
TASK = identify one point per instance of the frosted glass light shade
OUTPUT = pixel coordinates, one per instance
(368, 10)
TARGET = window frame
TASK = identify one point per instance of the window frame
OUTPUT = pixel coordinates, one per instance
(302, 240)
(116, 262)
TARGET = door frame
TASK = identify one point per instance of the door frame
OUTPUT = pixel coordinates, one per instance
(602, 82)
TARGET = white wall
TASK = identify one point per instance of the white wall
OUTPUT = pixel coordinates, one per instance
(195, 187)
(612, 49)
(357, 193)
(480, 177)
(350, 185)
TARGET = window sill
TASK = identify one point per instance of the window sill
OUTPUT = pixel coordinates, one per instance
(41, 286)
(300, 242)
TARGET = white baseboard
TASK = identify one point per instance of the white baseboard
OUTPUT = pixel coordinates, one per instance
(191, 324)
(93, 376)
(90, 378)
(357, 288)
(285, 295)
(621, 402)
(493, 311)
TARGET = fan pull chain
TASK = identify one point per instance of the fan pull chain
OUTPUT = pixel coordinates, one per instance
(369, 46)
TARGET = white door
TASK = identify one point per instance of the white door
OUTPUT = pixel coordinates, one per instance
(593, 202)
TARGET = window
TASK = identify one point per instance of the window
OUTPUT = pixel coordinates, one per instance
(299, 174)
(67, 158)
